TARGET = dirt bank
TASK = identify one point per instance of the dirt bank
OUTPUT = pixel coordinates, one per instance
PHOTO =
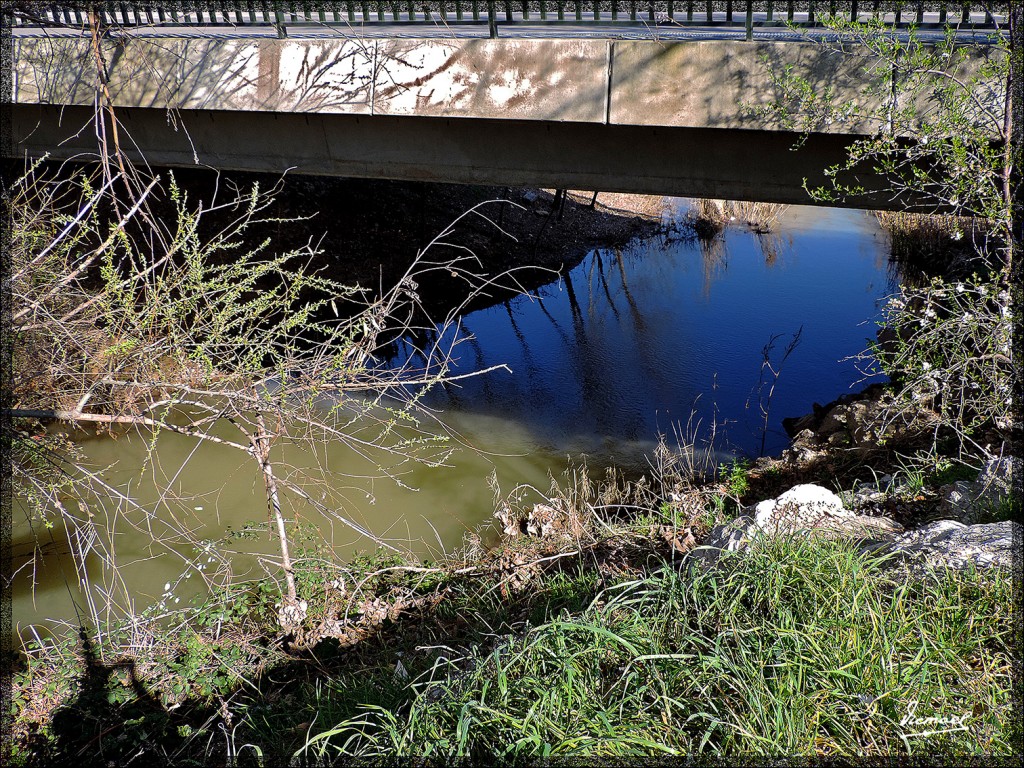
(368, 232)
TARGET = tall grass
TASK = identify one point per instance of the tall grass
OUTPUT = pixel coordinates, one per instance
(800, 648)
(935, 244)
(714, 215)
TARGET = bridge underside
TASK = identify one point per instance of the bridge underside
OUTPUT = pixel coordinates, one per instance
(687, 162)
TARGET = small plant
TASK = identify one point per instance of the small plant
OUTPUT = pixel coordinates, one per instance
(716, 514)
(769, 378)
(948, 471)
(914, 478)
(737, 480)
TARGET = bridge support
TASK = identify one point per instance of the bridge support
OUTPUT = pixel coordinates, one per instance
(687, 162)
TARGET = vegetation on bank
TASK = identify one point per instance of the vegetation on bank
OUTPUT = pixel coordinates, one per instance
(595, 644)
(600, 640)
(603, 643)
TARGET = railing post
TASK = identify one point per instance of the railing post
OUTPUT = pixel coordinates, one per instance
(750, 20)
(492, 18)
(282, 32)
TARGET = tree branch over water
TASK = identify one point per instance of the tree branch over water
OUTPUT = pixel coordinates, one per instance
(210, 333)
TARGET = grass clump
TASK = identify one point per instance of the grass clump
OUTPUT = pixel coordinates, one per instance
(800, 648)
(933, 244)
(711, 216)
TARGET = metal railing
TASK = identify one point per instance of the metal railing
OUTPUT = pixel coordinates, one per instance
(356, 13)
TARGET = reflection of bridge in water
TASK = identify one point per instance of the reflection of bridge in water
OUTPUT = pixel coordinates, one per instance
(646, 97)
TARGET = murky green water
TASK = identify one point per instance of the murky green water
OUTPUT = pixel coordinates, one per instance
(627, 345)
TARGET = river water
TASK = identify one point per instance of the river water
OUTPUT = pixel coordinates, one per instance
(665, 337)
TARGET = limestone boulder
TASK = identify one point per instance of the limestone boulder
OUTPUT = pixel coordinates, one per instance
(801, 507)
(951, 544)
(813, 510)
(730, 537)
(804, 510)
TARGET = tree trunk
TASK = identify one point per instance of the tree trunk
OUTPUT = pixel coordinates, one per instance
(261, 444)
(1015, 97)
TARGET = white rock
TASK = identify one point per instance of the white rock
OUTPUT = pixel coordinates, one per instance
(802, 506)
(764, 511)
(810, 494)
(950, 544)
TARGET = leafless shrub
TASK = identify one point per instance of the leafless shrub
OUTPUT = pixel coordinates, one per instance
(120, 327)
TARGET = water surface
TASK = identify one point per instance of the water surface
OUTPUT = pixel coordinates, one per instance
(662, 337)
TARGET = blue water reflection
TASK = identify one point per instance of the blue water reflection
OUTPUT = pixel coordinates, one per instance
(666, 334)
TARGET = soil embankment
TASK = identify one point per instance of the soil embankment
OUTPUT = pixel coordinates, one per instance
(368, 232)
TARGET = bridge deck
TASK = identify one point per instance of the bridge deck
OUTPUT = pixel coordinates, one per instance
(632, 107)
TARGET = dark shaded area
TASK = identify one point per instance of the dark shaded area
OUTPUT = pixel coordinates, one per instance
(369, 232)
(109, 723)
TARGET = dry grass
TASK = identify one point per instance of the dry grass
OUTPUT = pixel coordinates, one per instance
(651, 207)
(935, 241)
(714, 215)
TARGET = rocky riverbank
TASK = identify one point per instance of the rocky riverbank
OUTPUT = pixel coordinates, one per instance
(955, 516)
(843, 477)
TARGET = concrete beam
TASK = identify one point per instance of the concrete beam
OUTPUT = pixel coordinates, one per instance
(632, 116)
(687, 162)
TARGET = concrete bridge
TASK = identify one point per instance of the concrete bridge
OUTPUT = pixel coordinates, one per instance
(665, 115)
